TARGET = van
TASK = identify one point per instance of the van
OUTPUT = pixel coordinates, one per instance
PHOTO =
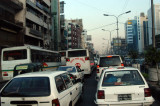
(80, 58)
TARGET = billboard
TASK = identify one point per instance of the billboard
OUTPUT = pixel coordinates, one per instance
(116, 42)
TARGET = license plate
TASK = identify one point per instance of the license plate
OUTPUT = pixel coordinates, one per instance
(123, 97)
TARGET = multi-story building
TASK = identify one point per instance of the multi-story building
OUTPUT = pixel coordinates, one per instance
(74, 30)
(132, 34)
(156, 22)
(36, 22)
(55, 11)
(11, 28)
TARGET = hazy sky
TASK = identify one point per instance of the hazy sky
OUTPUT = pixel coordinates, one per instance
(91, 11)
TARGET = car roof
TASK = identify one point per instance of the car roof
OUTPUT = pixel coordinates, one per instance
(109, 55)
(67, 66)
(119, 68)
(40, 74)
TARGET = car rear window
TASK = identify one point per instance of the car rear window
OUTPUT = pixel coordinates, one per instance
(78, 53)
(27, 87)
(122, 78)
(69, 69)
(110, 61)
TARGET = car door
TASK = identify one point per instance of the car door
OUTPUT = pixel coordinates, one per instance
(72, 89)
(63, 93)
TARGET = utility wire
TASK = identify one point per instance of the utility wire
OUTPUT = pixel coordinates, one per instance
(125, 5)
(101, 27)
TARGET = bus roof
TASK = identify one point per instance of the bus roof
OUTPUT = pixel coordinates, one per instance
(27, 47)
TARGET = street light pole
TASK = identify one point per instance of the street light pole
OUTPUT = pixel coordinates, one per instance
(117, 24)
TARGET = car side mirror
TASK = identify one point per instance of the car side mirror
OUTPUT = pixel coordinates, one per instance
(97, 78)
(82, 70)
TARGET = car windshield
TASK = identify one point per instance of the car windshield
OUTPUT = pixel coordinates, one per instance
(69, 69)
(27, 87)
(110, 61)
(122, 78)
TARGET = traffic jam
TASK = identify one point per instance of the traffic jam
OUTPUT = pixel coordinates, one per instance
(115, 84)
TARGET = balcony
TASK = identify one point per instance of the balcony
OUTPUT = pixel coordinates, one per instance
(39, 5)
(46, 9)
(69, 32)
(13, 4)
(47, 2)
(31, 3)
(35, 32)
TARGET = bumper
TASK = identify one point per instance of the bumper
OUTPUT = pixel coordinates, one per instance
(135, 103)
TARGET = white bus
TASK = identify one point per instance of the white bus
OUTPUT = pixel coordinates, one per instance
(63, 57)
(27, 54)
(79, 57)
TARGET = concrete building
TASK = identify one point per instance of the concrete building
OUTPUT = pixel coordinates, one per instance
(36, 22)
(11, 28)
(74, 30)
(156, 21)
(141, 32)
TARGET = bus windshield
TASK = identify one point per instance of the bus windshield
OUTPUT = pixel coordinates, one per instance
(77, 53)
(14, 55)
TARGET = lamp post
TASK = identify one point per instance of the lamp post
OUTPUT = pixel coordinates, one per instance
(117, 24)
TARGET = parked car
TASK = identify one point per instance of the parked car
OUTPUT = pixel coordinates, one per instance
(27, 68)
(74, 70)
(41, 89)
(123, 86)
(108, 61)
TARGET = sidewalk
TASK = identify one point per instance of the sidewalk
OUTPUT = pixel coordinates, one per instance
(155, 90)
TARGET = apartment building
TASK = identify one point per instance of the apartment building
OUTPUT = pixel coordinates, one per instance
(74, 30)
(36, 19)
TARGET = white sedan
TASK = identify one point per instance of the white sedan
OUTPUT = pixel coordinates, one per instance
(41, 89)
(123, 86)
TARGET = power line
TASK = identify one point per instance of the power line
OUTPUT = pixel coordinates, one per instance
(100, 27)
(125, 5)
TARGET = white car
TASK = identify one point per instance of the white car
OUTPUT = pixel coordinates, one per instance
(41, 89)
(108, 61)
(123, 86)
(74, 70)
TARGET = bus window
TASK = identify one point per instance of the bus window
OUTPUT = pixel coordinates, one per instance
(77, 53)
(14, 55)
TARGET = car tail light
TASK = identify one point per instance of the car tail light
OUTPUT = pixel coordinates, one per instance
(86, 58)
(147, 92)
(109, 56)
(5, 74)
(97, 70)
(97, 66)
(67, 59)
(55, 102)
(122, 64)
(100, 94)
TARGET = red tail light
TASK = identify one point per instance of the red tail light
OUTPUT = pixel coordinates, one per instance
(100, 94)
(97, 70)
(147, 92)
(97, 66)
(5, 74)
(109, 56)
(86, 58)
(67, 59)
(55, 102)
(122, 64)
